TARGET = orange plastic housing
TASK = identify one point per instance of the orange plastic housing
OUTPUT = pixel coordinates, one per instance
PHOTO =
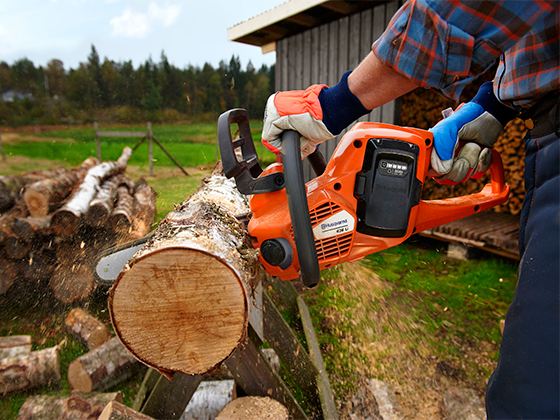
(333, 191)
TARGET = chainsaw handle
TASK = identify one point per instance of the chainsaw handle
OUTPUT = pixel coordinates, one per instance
(432, 213)
(299, 210)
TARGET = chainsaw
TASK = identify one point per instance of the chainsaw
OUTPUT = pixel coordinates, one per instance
(367, 198)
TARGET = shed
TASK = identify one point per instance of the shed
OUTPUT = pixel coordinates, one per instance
(317, 41)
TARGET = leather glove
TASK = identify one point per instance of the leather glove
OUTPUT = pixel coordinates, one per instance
(463, 140)
(317, 113)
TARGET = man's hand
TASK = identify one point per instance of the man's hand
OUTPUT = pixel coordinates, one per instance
(317, 113)
(462, 141)
(298, 110)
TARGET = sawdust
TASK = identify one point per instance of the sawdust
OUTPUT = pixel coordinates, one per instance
(388, 344)
(253, 408)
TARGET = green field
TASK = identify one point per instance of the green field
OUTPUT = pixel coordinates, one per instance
(403, 315)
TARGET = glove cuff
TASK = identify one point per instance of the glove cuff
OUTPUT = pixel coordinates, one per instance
(340, 106)
(487, 100)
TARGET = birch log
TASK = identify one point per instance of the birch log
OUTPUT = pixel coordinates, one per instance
(144, 210)
(118, 411)
(181, 304)
(15, 345)
(77, 406)
(102, 205)
(43, 196)
(65, 221)
(31, 370)
(121, 217)
(87, 328)
(101, 368)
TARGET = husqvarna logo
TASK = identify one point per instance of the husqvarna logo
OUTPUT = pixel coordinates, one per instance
(339, 223)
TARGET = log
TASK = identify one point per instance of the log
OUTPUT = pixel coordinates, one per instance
(26, 228)
(43, 196)
(209, 399)
(121, 217)
(87, 328)
(40, 265)
(144, 210)
(118, 411)
(181, 304)
(15, 345)
(77, 406)
(102, 205)
(11, 186)
(254, 408)
(101, 368)
(65, 221)
(35, 369)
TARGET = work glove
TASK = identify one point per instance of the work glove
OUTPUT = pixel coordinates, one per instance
(318, 114)
(463, 140)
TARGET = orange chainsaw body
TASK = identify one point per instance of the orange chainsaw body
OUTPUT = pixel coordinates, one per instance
(333, 203)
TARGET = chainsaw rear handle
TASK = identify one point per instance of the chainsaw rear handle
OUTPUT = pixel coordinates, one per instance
(432, 213)
(299, 210)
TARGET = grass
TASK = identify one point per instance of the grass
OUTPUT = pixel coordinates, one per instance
(410, 316)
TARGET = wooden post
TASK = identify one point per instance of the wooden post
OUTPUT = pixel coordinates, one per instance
(97, 141)
(150, 135)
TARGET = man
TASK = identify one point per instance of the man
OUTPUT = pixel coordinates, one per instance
(445, 45)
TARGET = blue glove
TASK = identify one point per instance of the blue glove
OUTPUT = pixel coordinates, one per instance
(463, 141)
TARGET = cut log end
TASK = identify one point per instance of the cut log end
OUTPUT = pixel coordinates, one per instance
(80, 379)
(72, 283)
(65, 223)
(37, 202)
(199, 310)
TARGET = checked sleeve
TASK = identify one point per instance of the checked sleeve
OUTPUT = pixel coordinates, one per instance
(447, 44)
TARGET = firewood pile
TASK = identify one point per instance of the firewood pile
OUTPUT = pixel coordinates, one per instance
(422, 109)
(54, 223)
(106, 364)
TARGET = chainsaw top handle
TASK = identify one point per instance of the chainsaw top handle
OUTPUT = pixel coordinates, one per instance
(299, 210)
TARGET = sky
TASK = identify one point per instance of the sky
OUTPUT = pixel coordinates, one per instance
(190, 31)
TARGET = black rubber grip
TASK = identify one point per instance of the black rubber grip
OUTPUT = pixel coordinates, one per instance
(299, 210)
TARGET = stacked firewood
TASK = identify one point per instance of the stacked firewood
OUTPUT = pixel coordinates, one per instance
(422, 109)
(53, 224)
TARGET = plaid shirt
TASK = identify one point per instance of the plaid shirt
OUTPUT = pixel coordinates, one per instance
(446, 44)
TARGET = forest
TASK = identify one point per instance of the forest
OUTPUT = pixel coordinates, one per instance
(110, 91)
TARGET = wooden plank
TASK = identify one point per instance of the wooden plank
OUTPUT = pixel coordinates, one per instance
(354, 53)
(299, 62)
(343, 33)
(388, 110)
(377, 28)
(252, 372)
(307, 54)
(323, 53)
(292, 69)
(169, 399)
(282, 58)
(150, 379)
(323, 385)
(333, 53)
(316, 51)
(365, 42)
(287, 346)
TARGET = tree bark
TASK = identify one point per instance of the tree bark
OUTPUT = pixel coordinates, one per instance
(87, 328)
(40, 265)
(16, 248)
(118, 411)
(102, 368)
(15, 345)
(144, 210)
(181, 304)
(77, 406)
(26, 228)
(29, 371)
(43, 196)
(8, 274)
(121, 217)
(102, 205)
(65, 221)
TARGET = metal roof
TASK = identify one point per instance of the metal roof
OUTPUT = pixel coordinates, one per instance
(292, 17)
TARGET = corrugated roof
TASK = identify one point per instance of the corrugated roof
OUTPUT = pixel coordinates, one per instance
(292, 17)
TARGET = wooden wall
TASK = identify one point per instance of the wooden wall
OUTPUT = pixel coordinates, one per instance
(324, 53)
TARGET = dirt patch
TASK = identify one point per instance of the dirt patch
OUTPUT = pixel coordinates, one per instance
(387, 343)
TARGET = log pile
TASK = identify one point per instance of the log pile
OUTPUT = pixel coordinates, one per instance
(53, 224)
(422, 109)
